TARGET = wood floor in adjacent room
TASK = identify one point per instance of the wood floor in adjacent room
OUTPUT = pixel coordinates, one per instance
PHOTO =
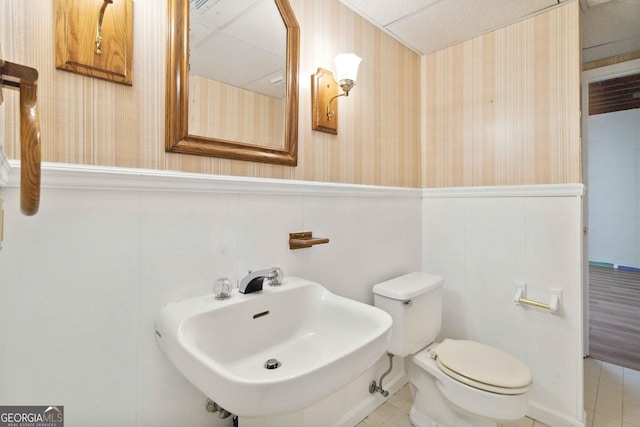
(614, 316)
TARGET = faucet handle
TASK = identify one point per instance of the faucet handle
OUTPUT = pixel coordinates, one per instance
(222, 288)
(275, 276)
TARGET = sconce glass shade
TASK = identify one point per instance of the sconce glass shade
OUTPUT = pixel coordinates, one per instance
(346, 67)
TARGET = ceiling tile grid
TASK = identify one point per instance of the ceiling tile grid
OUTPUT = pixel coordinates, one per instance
(429, 25)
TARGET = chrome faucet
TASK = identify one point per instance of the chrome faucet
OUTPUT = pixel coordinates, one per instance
(252, 282)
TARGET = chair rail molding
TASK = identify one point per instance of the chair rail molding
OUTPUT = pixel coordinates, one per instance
(535, 190)
(64, 175)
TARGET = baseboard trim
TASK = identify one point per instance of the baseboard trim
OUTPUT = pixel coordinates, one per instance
(550, 417)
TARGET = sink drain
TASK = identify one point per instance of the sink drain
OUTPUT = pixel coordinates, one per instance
(272, 364)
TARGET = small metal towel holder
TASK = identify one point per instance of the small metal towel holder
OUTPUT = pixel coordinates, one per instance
(553, 306)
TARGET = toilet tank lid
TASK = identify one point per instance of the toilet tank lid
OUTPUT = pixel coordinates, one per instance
(408, 286)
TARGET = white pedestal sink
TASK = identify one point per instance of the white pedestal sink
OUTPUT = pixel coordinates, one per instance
(319, 342)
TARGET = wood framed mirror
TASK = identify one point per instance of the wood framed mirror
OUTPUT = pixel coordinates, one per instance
(213, 104)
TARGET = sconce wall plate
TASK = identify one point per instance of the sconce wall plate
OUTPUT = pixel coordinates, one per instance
(323, 88)
(95, 38)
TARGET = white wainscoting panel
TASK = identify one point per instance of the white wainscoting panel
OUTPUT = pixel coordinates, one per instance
(485, 240)
(82, 281)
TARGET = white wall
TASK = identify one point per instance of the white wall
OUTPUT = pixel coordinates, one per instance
(614, 187)
(483, 240)
(82, 281)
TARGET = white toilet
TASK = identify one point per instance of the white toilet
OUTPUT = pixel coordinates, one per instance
(455, 383)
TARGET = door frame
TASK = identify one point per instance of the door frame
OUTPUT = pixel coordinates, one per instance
(590, 76)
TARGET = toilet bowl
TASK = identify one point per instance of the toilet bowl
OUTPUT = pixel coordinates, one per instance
(455, 383)
(467, 401)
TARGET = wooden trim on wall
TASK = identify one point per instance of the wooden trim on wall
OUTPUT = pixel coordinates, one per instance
(611, 60)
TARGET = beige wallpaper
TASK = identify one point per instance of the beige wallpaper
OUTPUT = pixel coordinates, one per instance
(504, 108)
(89, 121)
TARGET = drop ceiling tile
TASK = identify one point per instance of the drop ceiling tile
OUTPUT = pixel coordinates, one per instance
(384, 12)
(231, 61)
(610, 22)
(261, 26)
(198, 33)
(271, 85)
(452, 21)
(592, 3)
(223, 12)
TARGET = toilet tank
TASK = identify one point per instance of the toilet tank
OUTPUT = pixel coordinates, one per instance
(414, 302)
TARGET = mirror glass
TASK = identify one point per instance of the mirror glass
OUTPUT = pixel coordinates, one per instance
(236, 75)
(235, 94)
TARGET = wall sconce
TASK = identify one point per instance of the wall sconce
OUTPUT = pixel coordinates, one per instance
(324, 91)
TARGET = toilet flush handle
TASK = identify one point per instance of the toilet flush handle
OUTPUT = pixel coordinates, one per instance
(407, 303)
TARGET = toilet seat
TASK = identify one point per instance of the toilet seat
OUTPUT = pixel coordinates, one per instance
(483, 367)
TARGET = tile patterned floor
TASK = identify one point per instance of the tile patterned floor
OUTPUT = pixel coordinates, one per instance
(611, 395)
(393, 413)
(611, 399)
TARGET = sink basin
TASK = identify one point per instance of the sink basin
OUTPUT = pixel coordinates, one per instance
(320, 342)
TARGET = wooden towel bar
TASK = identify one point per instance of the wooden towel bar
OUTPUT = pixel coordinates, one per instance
(24, 79)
